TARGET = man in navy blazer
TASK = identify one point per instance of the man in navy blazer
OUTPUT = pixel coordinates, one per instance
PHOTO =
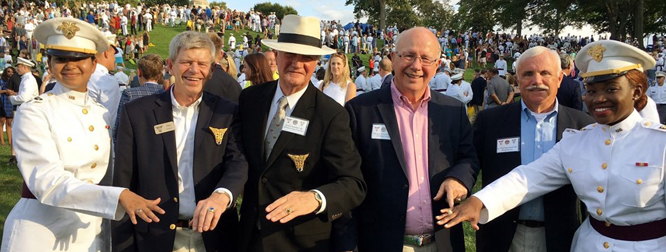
(183, 147)
(569, 93)
(417, 153)
(536, 123)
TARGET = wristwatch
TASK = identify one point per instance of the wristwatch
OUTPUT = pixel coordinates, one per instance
(318, 199)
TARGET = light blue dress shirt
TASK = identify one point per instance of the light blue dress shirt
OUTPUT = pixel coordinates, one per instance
(537, 136)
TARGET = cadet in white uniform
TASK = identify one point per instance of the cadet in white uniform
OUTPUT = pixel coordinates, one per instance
(459, 89)
(28, 88)
(616, 166)
(62, 146)
(103, 87)
(658, 94)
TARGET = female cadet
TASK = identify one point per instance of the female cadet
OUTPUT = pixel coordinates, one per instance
(62, 145)
(616, 165)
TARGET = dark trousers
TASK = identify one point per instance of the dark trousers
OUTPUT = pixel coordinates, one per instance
(661, 109)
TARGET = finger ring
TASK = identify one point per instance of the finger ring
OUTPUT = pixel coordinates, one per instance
(450, 211)
(139, 211)
(288, 210)
(458, 200)
(212, 209)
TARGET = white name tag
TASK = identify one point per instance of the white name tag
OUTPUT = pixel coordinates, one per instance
(379, 132)
(295, 125)
(164, 128)
(508, 145)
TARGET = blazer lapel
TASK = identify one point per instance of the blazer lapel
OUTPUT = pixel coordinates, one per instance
(563, 119)
(259, 122)
(206, 107)
(387, 113)
(164, 114)
(510, 127)
(434, 151)
(303, 110)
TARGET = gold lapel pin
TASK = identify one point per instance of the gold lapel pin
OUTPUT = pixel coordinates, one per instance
(299, 161)
(219, 134)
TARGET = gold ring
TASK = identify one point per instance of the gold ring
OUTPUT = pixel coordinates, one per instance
(288, 210)
(458, 200)
(139, 211)
(449, 211)
(212, 209)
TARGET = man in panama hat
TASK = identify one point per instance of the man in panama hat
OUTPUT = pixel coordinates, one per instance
(304, 170)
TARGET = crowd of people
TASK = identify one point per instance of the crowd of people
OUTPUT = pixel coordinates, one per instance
(327, 152)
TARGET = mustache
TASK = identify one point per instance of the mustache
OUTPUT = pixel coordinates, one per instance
(535, 87)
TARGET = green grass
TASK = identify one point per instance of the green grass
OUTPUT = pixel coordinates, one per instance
(11, 183)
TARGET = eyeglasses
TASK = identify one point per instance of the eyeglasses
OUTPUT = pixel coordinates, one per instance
(410, 58)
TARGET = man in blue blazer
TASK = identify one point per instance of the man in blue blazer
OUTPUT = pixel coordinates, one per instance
(417, 153)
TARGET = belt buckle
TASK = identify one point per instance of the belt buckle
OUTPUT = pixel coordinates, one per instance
(418, 240)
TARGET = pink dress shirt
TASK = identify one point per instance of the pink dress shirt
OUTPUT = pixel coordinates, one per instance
(413, 127)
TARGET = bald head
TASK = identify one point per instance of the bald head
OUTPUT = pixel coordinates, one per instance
(420, 34)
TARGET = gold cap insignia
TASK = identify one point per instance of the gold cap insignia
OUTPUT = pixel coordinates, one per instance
(299, 160)
(219, 134)
(597, 52)
(68, 29)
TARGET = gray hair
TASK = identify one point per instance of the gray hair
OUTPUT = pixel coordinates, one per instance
(565, 60)
(535, 51)
(191, 40)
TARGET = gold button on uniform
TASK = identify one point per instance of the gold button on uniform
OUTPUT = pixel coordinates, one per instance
(639, 181)
(96, 147)
(50, 94)
(603, 166)
(608, 142)
(175, 199)
(69, 139)
(172, 226)
(93, 166)
(599, 211)
(91, 128)
(647, 124)
(85, 111)
(600, 189)
(607, 224)
(606, 245)
(570, 170)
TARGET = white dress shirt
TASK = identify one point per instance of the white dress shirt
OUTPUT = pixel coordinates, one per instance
(27, 90)
(658, 94)
(185, 119)
(292, 100)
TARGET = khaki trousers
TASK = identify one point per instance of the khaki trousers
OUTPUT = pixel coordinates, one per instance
(188, 240)
(528, 239)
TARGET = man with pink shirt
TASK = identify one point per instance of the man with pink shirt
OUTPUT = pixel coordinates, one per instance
(417, 154)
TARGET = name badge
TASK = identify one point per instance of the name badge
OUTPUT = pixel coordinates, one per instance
(164, 128)
(379, 132)
(295, 125)
(508, 145)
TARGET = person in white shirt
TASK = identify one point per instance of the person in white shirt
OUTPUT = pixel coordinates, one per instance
(231, 42)
(460, 89)
(102, 86)
(501, 66)
(337, 83)
(658, 94)
(28, 88)
(149, 21)
(123, 24)
(375, 81)
(442, 80)
(361, 72)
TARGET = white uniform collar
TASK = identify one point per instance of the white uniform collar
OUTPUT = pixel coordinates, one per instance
(625, 125)
(76, 97)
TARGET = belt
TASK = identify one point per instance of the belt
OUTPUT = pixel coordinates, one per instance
(183, 224)
(639, 232)
(26, 193)
(531, 223)
(360, 90)
(418, 240)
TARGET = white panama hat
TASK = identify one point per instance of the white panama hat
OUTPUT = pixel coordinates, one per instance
(299, 35)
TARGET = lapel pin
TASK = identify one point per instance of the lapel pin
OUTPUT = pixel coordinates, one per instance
(299, 161)
(219, 134)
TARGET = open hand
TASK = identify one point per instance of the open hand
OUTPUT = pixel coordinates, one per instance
(468, 211)
(136, 205)
(455, 191)
(208, 212)
(291, 206)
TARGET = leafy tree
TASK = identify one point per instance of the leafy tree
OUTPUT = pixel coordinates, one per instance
(280, 11)
(222, 5)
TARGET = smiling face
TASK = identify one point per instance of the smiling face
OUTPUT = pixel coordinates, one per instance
(611, 101)
(336, 65)
(411, 75)
(72, 73)
(539, 78)
(191, 68)
(295, 69)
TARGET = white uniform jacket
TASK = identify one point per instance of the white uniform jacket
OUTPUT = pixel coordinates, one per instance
(104, 89)
(617, 171)
(27, 90)
(62, 144)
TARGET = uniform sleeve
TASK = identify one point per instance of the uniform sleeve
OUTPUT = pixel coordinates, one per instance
(523, 184)
(44, 173)
(25, 93)
(110, 96)
(470, 93)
